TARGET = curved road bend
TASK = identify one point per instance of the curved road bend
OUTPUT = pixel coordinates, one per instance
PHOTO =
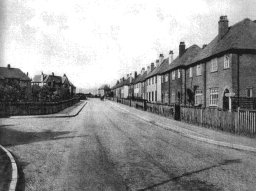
(107, 148)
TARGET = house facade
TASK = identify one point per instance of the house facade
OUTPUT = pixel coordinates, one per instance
(226, 66)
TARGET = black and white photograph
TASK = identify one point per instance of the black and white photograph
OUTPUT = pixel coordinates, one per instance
(127, 95)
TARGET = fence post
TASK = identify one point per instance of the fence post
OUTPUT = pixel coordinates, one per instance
(237, 120)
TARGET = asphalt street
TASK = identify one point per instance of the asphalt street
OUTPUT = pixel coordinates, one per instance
(108, 148)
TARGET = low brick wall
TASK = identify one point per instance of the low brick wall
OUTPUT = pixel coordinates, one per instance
(34, 108)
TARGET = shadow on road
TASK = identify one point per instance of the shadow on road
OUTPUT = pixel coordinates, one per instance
(194, 184)
(11, 137)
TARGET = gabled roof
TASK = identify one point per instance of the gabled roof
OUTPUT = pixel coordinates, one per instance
(13, 73)
(57, 79)
(184, 60)
(126, 82)
(241, 36)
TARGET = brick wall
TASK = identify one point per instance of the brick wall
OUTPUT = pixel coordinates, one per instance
(221, 79)
(247, 74)
(195, 82)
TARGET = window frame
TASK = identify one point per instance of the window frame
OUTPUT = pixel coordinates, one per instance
(214, 97)
(199, 70)
(191, 72)
(214, 65)
(173, 75)
(227, 61)
(178, 76)
(250, 91)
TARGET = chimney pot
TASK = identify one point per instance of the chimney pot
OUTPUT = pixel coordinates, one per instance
(223, 26)
(170, 56)
(182, 48)
(152, 66)
(161, 58)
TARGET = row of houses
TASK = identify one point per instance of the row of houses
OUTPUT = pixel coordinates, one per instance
(206, 76)
(10, 74)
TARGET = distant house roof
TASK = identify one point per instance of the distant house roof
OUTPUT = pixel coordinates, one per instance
(126, 82)
(184, 60)
(240, 36)
(56, 79)
(13, 73)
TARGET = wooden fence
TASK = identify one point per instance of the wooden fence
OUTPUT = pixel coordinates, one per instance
(34, 108)
(241, 122)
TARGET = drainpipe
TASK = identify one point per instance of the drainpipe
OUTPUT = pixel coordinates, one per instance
(238, 80)
(205, 84)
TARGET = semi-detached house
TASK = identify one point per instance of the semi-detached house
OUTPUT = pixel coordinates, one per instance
(226, 65)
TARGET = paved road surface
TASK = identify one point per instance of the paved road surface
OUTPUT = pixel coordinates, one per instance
(108, 148)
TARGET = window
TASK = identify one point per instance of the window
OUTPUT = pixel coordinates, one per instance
(162, 78)
(198, 70)
(191, 72)
(156, 95)
(166, 77)
(198, 97)
(173, 97)
(149, 81)
(152, 96)
(226, 61)
(214, 65)
(178, 73)
(149, 96)
(156, 79)
(214, 96)
(153, 80)
(173, 75)
(249, 92)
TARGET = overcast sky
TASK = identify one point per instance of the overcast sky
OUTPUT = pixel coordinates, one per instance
(99, 41)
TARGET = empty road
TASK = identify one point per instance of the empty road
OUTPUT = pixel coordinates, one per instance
(108, 147)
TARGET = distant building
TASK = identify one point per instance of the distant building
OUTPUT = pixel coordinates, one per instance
(9, 74)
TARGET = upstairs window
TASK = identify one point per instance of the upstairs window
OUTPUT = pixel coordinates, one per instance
(249, 92)
(162, 78)
(191, 72)
(227, 60)
(152, 80)
(173, 75)
(214, 96)
(214, 65)
(198, 70)
(149, 81)
(178, 73)
(166, 77)
(156, 79)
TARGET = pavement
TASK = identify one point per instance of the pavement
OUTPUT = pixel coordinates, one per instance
(212, 136)
(8, 167)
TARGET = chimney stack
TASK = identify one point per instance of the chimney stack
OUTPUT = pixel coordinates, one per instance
(157, 63)
(27, 73)
(52, 73)
(223, 26)
(170, 56)
(182, 48)
(135, 74)
(142, 71)
(152, 66)
(161, 58)
(8, 66)
(148, 69)
(204, 46)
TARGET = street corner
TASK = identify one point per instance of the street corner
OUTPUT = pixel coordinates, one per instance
(8, 170)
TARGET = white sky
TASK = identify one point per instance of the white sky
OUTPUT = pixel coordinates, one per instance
(99, 41)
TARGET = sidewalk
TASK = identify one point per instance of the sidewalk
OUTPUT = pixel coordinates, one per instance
(68, 112)
(212, 136)
(6, 172)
